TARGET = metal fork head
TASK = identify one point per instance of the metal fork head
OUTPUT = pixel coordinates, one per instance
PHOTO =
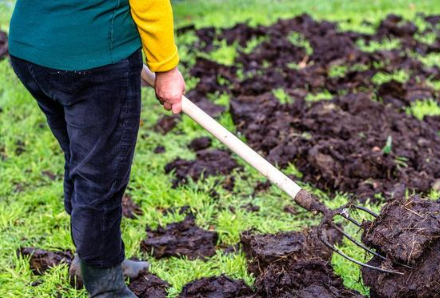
(344, 212)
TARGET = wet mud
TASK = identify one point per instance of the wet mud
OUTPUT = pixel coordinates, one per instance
(129, 208)
(166, 123)
(208, 162)
(183, 238)
(406, 232)
(362, 141)
(217, 287)
(4, 52)
(148, 285)
(41, 260)
(294, 264)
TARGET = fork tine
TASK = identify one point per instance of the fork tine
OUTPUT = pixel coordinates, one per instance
(339, 252)
(365, 210)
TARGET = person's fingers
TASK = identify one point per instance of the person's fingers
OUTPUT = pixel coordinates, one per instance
(177, 108)
(167, 106)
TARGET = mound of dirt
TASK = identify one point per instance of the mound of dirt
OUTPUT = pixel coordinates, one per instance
(148, 285)
(208, 163)
(407, 231)
(340, 145)
(264, 249)
(217, 287)
(180, 239)
(200, 144)
(166, 123)
(294, 264)
(419, 282)
(404, 229)
(129, 208)
(41, 260)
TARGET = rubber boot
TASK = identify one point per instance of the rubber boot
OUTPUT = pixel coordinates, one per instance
(131, 269)
(105, 282)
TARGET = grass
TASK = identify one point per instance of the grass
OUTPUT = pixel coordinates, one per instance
(31, 210)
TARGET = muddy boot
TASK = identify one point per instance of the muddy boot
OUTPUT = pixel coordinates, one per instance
(105, 282)
(131, 269)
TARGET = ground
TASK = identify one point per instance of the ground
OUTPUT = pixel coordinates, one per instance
(31, 164)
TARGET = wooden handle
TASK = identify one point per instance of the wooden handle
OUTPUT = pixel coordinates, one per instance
(232, 142)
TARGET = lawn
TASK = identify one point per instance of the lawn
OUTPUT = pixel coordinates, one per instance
(31, 163)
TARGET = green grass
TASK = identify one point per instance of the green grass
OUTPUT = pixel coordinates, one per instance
(31, 210)
(422, 108)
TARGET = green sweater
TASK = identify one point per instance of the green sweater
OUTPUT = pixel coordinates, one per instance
(72, 34)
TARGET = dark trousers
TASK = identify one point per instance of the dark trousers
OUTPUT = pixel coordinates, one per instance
(95, 115)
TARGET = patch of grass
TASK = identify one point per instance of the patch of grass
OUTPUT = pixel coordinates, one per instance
(299, 40)
(373, 46)
(282, 96)
(422, 108)
(382, 77)
(324, 95)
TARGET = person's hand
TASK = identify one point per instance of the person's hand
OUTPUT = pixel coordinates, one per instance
(170, 86)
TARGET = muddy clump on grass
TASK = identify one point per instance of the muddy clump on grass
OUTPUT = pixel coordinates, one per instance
(129, 208)
(404, 229)
(42, 260)
(407, 232)
(294, 264)
(148, 285)
(180, 239)
(166, 123)
(209, 162)
(217, 287)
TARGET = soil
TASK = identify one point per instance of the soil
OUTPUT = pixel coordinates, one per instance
(199, 144)
(166, 123)
(129, 208)
(41, 260)
(217, 287)
(148, 285)
(293, 264)
(414, 240)
(338, 145)
(159, 150)
(3, 45)
(180, 239)
(209, 162)
(419, 282)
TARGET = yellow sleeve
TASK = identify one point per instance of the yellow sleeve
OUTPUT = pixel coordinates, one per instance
(154, 19)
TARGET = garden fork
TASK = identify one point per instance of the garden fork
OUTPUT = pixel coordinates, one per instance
(300, 196)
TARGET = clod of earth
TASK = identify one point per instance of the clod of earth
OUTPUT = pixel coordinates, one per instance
(180, 239)
(166, 123)
(159, 150)
(404, 229)
(217, 287)
(294, 264)
(148, 285)
(129, 208)
(200, 144)
(208, 163)
(407, 231)
(41, 260)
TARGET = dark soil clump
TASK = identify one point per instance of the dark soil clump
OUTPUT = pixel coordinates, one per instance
(294, 264)
(200, 144)
(180, 239)
(217, 287)
(129, 208)
(41, 260)
(208, 163)
(148, 285)
(406, 231)
(166, 123)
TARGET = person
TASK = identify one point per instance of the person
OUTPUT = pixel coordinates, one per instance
(81, 61)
